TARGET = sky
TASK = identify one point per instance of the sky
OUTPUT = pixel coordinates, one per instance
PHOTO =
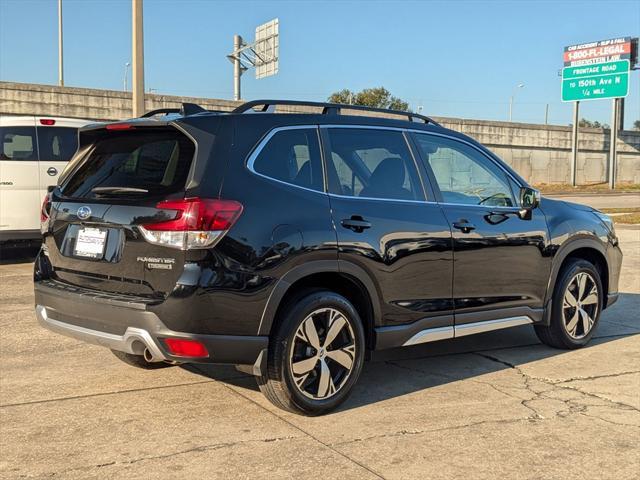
(452, 58)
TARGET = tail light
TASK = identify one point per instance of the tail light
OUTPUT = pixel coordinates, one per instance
(198, 223)
(45, 210)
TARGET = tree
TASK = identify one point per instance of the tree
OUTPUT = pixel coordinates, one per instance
(589, 124)
(636, 125)
(378, 97)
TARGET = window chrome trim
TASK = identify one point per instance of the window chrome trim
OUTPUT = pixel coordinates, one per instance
(263, 142)
(258, 148)
(381, 199)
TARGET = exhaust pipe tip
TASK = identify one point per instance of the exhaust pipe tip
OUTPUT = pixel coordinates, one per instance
(148, 356)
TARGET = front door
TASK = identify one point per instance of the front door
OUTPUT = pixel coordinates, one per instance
(501, 261)
(386, 226)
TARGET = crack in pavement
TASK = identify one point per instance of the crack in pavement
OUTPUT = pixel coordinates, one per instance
(543, 392)
(293, 425)
(198, 449)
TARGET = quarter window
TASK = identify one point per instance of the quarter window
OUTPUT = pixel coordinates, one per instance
(292, 156)
(372, 163)
(464, 175)
(18, 143)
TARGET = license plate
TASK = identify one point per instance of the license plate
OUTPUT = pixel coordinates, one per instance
(90, 242)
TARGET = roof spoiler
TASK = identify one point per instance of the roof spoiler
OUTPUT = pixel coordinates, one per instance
(185, 110)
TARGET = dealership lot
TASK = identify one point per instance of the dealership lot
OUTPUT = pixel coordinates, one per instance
(488, 406)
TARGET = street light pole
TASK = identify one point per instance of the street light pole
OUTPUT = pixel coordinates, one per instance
(126, 71)
(60, 55)
(137, 59)
(513, 93)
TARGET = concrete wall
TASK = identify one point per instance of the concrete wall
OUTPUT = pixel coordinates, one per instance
(541, 153)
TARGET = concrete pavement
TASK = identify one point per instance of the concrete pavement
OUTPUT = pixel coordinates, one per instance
(498, 405)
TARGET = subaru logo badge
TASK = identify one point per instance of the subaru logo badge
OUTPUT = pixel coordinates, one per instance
(84, 213)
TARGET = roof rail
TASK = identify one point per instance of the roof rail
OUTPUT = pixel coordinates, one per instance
(184, 110)
(268, 106)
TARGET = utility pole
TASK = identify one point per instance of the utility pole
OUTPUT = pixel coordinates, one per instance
(612, 143)
(574, 143)
(237, 67)
(137, 45)
(60, 56)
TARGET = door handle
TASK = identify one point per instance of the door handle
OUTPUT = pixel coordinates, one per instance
(52, 171)
(464, 226)
(355, 223)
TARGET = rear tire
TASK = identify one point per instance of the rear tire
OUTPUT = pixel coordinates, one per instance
(576, 306)
(315, 354)
(138, 361)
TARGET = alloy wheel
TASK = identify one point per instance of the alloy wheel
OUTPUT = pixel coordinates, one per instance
(322, 354)
(580, 305)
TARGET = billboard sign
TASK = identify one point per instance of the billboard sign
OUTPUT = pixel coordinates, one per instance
(266, 49)
(599, 52)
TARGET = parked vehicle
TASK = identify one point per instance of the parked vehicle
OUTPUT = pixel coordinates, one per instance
(33, 152)
(292, 244)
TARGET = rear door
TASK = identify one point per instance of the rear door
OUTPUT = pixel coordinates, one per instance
(388, 226)
(20, 198)
(94, 238)
(57, 143)
(502, 261)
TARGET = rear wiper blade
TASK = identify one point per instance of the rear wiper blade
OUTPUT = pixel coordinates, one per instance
(117, 190)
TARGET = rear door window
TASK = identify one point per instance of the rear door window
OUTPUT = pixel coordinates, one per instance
(18, 143)
(292, 156)
(372, 163)
(156, 163)
(57, 144)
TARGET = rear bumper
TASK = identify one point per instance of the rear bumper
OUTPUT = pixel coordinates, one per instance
(20, 235)
(129, 327)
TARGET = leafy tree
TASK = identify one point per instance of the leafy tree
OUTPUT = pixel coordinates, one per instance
(589, 124)
(378, 97)
(636, 125)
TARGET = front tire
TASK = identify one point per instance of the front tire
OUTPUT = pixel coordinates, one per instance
(576, 306)
(315, 355)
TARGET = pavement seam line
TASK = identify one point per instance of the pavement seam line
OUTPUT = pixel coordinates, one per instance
(102, 394)
(288, 422)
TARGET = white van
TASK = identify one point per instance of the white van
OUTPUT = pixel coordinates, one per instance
(33, 153)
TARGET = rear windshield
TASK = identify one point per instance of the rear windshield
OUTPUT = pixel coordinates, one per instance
(57, 143)
(155, 162)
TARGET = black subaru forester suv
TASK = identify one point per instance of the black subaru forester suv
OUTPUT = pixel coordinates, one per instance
(291, 244)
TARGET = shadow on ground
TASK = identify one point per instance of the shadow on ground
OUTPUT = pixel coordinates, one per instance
(401, 371)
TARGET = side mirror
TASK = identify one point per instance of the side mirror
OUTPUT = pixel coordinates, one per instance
(529, 200)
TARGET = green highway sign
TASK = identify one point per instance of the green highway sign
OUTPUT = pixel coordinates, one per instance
(595, 81)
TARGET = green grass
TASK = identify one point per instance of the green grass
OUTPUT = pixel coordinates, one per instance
(626, 215)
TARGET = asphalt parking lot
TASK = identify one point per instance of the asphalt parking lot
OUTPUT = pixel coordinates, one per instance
(499, 405)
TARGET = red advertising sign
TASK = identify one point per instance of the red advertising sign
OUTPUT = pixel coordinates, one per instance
(598, 52)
